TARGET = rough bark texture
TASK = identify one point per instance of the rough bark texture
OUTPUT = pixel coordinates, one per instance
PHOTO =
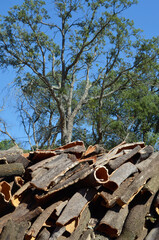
(73, 193)
(135, 222)
(114, 164)
(119, 175)
(11, 155)
(13, 169)
(113, 221)
(14, 231)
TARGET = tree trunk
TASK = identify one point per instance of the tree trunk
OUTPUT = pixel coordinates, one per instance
(66, 130)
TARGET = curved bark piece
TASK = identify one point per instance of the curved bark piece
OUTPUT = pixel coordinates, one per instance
(49, 173)
(11, 154)
(39, 222)
(113, 221)
(135, 221)
(16, 198)
(3, 160)
(40, 155)
(83, 221)
(111, 198)
(72, 209)
(5, 189)
(74, 145)
(18, 182)
(125, 146)
(97, 177)
(152, 185)
(93, 150)
(12, 169)
(80, 174)
(144, 164)
(139, 182)
(21, 213)
(119, 175)
(117, 162)
(25, 161)
(5, 196)
(77, 148)
(145, 153)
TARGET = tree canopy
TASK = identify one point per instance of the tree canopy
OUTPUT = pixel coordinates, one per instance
(83, 71)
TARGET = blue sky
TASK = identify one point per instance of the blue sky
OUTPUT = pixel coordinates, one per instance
(145, 16)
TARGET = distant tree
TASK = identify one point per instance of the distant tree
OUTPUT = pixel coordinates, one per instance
(72, 53)
(6, 144)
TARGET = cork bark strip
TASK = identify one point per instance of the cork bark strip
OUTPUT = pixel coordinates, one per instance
(119, 175)
(51, 171)
(139, 182)
(39, 222)
(113, 221)
(75, 205)
(114, 164)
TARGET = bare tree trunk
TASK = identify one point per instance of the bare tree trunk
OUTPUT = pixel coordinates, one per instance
(66, 130)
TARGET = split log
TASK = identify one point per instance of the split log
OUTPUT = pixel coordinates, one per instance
(12, 169)
(39, 222)
(135, 221)
(114, 164)
(14, 231)
(113, 221)
(11, 154)
(139, 182)
(44, 235)
(51, 171)
(119, 175)
(111, 198)
(72, 209)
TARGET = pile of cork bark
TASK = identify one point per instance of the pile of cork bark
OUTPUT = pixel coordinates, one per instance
(76, 193)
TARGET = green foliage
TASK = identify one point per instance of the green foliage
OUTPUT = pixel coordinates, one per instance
(83, 71)
(6, 144)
